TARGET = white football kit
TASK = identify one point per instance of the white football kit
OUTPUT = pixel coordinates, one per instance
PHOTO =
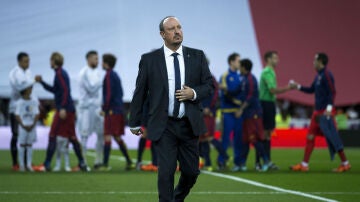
(18, 78)
(27, 110)
(89, 108)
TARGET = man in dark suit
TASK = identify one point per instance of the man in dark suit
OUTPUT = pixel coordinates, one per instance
(175, 79)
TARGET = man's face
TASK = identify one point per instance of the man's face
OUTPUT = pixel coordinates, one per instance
(105, 66)
(242, 70)
(52, 64)
(172, 33)
(317, 63)
(236, 63)
(274, 60)
(24, 62)
(93, 60)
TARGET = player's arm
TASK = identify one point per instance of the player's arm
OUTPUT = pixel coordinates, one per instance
(329, 82)
(38, 78)
(305, 89)
(249, 97)
(108, 92)
(90, 85)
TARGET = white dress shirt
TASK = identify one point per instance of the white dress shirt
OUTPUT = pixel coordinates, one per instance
(18, 77)
(171, 78)
(90, 80)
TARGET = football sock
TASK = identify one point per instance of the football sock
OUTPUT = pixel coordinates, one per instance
(123, 150)
(77, 149)
(21, 156)
(29, 151)
(308, 150)
(107, 149)
(141, 148)
(216, 143)
(342, 156)
(50, 151)
(259, 146)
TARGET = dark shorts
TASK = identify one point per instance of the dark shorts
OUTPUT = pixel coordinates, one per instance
(63, 127)
(210, 126)
(114, 125)
(269, 113)
(253, 130)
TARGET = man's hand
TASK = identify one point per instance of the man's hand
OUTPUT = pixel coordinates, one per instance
(62, 114)
(28, 128)
(293, 84)
(207, 112)
(38, 78)
(102, 113)
(137, 131)
(327, 113)
(184, 94)
(238, 113)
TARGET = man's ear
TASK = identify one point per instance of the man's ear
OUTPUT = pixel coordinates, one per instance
(162, 33)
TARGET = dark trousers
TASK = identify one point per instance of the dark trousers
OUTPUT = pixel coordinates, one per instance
(177, 143)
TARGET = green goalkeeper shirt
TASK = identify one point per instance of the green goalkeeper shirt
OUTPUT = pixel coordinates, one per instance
(267, 82)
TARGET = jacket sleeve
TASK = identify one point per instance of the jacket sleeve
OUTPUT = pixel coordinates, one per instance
(206, 87)
(64, 85)
(140, 95)
(250, 85)
(310, 89)
(48, 87)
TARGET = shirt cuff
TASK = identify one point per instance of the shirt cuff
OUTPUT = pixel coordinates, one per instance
(298, 86)
(135, 128)
(195, 96)
(329, 108)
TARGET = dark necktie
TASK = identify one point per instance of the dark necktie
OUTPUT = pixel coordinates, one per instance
(177, 84)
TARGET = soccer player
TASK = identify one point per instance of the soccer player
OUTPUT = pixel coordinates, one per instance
(230, 101)
(253, 131)
(113, 112)
(64, 119)
(209, 110)
(27, 114)
(18, 76)
(268, 91)
(324, 88)
(89, 108)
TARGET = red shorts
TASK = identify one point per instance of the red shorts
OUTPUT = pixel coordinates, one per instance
(114, 124)
(253, 130)
(210, 125)
(314, 127)
(63, 127)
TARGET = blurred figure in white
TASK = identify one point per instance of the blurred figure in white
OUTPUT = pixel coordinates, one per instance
(18, 77)
(89, 108)
(27, 115)
(62, 149)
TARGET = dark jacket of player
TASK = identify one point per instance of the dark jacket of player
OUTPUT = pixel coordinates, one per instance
(324, 88)
(112, 93)
(61, 90)
(210, 102)
(230, 99)
(250, 94)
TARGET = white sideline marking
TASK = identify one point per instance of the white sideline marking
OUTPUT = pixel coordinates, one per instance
(149, 192)
(254, 183)
(278, 189)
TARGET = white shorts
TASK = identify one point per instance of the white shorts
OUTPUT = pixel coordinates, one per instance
(26, 137)
(90, 121)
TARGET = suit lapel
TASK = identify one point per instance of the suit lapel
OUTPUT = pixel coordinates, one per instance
(187, 60)
(163, 69)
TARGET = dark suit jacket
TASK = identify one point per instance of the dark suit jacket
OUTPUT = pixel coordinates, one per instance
(152, 83)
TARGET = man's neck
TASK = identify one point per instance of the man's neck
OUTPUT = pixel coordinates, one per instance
(173, 47)
(233, 69)
(26, 97)
(270, 66)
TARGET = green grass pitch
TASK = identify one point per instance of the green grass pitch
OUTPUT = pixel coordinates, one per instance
(121, 185)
